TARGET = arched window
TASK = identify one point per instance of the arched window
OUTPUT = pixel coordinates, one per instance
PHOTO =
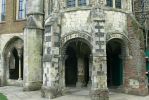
(71, 3)
(82, 2)
(110, 3)
(50, 6)
(2, 10)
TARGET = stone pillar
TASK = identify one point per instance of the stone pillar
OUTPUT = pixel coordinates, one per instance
(90, 71)
(63, 59)
(51, 61)
(33, 37)
(81, 71)
(99, 90)
(51, 87)
(19, 54)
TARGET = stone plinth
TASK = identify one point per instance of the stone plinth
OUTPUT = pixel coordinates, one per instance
(99, 94)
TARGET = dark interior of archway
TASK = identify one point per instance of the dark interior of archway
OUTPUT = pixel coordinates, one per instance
(14, 65)
(73, 50)
(114, 64)
(71, 67)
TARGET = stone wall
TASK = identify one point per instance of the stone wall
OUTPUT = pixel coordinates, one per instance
(81, 21)
(135, 78)
(4, 39)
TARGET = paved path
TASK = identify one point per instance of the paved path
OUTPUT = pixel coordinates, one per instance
(16, 93)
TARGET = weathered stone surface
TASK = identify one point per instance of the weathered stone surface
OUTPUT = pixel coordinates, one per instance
(50, 92)
(99, 94)
(94, 25)
(32, 86)
(47, 58)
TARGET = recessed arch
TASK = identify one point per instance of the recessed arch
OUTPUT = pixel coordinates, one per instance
(76, 53)
(116, 50)
(13, 61)
(65, 45)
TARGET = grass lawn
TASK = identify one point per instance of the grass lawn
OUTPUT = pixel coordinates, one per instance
(2, 97)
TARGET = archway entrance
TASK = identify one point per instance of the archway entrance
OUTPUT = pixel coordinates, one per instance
(13, 62)
(77, 64)
(114, 63)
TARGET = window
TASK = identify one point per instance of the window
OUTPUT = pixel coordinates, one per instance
(73, 3)
(114, 3)
(118, 3)
(21, 9)
(3, 10)
(110, 3)
(50, 9)
(82, 2)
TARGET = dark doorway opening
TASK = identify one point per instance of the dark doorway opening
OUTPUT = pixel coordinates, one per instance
(77, 64)
(14, 65)
(114, 63)
(71, 67)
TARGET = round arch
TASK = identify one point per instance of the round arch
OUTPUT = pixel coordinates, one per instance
(65, 45)
(116, 53)
(80, 57)
(13, 61)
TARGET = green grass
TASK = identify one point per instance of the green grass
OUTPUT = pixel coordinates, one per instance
(2, 97)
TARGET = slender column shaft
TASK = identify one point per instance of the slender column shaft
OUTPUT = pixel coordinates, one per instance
(20, 78)
(81, 72)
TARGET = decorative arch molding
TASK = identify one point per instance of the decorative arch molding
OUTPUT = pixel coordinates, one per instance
(13, 43)
(75, 36)
(10, 44)
(120, 36)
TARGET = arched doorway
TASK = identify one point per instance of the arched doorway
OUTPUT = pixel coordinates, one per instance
(77, 63)
(13, 62)
(114, 63)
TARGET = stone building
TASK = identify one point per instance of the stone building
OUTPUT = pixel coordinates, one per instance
(97, 44)
(141, 11)
(12, 23)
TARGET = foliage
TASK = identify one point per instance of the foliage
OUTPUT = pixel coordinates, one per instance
(2, 97)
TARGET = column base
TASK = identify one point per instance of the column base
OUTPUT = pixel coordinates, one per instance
(50, 92)
(80, 84)
(89, 84)
(32, 86)
(19, 79)
(99, 94)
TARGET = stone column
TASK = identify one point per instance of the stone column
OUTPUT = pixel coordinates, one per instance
(51, 56)
(99, 90)
(33, 38)
(19, 54)
(81, 72)
(90, 71)
(63, 59)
